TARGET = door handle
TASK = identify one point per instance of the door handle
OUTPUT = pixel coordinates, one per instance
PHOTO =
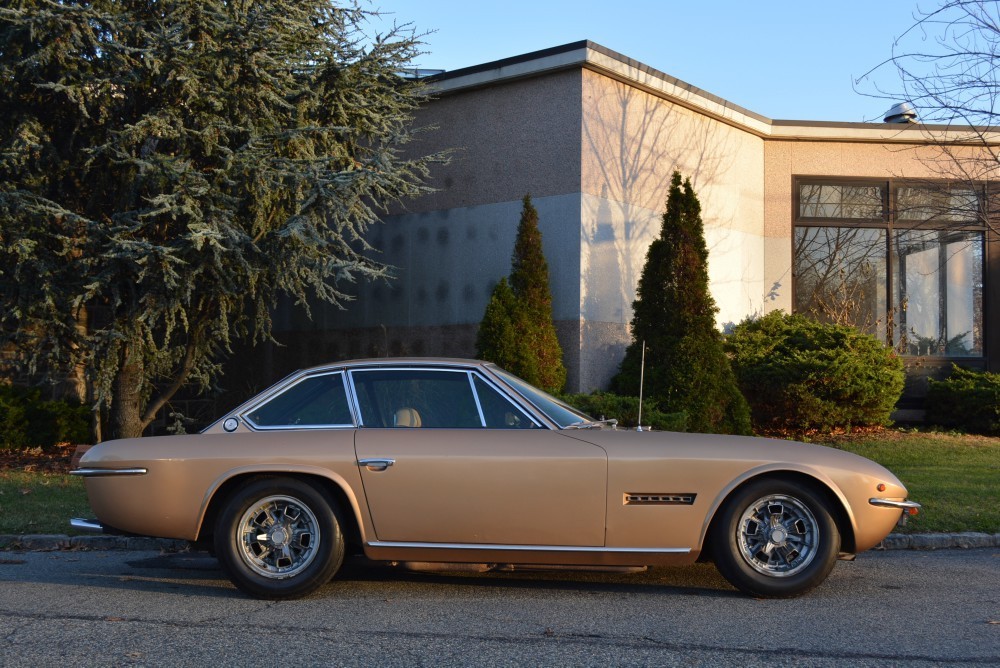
(376, 464)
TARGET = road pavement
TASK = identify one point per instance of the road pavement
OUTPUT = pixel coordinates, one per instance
(116, 608)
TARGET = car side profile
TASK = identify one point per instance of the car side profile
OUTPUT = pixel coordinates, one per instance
(458, 461)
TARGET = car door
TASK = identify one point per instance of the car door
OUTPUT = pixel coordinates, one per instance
(446, 458)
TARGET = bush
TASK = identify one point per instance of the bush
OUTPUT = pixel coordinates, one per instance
(801, 374)
(26, 420)
(967, 400)
(626, 411)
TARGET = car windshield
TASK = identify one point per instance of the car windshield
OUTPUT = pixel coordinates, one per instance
(558, 411)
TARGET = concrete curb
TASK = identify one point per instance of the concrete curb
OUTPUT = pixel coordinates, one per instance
(57, 542)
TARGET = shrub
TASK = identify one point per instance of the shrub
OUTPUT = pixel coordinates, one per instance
(626, 411)
(26, 420)
(801, 374)
(968, 400)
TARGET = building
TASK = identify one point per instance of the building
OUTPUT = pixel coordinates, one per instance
(878, 224)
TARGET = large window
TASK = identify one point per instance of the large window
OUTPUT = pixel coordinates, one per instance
(900, 260)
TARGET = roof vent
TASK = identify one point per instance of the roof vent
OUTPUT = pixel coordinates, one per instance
(901, 113)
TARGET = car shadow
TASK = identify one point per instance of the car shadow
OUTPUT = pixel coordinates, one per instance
(693, 580)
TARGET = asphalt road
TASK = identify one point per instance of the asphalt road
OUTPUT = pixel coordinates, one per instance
(140, 608)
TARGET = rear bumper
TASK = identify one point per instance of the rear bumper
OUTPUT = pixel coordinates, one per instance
(83, 524)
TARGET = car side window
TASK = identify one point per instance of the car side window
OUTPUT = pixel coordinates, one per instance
(312, 402)
(416, 398)
(499, 412)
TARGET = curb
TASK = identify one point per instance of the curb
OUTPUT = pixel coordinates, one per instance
(59, 542)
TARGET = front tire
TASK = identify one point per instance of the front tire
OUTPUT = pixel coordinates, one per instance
(775, 539)
(279, 538)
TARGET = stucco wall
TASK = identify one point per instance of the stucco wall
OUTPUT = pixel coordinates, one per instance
(632, 143)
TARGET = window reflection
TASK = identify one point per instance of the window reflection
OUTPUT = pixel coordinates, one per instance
(828, 200)
(912, 244)
(840, 276)
(939, 292)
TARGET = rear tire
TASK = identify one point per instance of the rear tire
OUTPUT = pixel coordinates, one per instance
(775, 539)
(279, 538)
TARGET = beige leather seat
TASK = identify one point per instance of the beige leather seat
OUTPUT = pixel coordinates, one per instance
(406, 417)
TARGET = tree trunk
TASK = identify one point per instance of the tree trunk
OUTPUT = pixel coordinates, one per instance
(127, 403)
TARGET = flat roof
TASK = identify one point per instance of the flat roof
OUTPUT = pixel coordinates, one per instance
(586, 54)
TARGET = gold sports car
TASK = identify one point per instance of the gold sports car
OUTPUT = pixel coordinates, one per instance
(457, 461)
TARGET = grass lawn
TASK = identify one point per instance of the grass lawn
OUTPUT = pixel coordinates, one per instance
(38, 502)
(955, 477)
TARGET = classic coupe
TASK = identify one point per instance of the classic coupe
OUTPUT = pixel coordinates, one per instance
(449, 461)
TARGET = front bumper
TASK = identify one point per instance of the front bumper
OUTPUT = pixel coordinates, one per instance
(908, 507)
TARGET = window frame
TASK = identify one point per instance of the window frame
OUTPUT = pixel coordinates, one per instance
(891, 224)
(245, 413)
(470, 374)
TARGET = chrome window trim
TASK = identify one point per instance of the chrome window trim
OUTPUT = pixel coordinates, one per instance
(299, 378)
(529, 548)
(507, 396)
(475, 396)
(505, 393)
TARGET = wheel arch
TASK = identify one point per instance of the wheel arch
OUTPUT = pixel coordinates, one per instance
(835, 504)
(336, 490)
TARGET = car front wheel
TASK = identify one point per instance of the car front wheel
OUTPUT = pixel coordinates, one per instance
(775, 539)
(279, 538)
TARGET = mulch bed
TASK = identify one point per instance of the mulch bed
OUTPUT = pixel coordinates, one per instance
(49, 460)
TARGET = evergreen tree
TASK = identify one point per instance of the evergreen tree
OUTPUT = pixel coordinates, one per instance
(529, 279)
(170, 169)
(529, 344)
(674, 313)
(499, 339)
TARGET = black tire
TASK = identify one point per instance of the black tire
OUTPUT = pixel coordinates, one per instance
(279, 538)
(775, 539)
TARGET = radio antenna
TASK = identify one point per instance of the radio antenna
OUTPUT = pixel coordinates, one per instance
(642, 377)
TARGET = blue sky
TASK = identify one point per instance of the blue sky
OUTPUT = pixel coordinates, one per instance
(786, 60)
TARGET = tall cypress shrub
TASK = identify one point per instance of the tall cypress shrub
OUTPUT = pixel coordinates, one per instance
(500, 334)
(674, 313)
(517, 331)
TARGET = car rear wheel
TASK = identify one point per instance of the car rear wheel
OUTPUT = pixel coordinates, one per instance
(279, 538)
(775, 539)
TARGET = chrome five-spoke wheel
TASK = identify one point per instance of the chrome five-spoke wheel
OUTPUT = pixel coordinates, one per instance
(279, 538)
(775, 538)
(778, 535)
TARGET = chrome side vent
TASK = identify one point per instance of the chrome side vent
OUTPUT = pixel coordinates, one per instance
(644, 499)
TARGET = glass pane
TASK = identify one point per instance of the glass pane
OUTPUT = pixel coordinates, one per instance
(938, 203)
(555, 409)
(498, 412)
(938, 297)
(406, 398)
(314, 401)
(840, 276)
(828, 200)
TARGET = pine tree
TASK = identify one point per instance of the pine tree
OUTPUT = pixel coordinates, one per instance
(674, 313)
(170, 169)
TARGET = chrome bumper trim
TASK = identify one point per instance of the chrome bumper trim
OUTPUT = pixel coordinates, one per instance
(531, 548)
(93, 473)
(902, 505)
(86, 525)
